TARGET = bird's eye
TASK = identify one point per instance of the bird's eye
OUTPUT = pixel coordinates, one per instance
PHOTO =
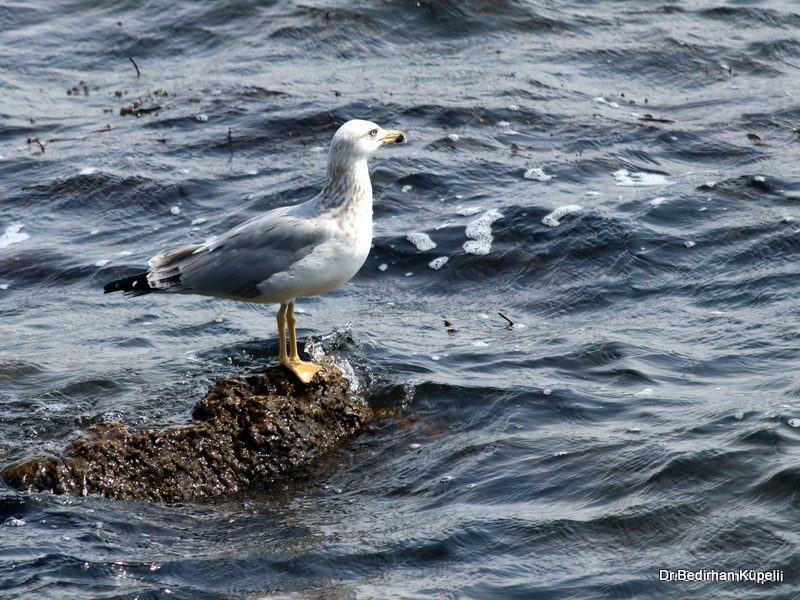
(373, 133)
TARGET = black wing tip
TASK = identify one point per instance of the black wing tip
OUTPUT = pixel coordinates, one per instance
(135, 285)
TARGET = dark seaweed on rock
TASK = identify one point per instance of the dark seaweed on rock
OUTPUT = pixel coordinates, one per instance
(245, 432)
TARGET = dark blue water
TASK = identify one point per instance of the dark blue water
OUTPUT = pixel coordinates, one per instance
(634, 410)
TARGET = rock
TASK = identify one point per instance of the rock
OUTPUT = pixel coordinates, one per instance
(246, 431)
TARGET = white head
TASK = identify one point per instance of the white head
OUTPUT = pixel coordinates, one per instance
(358, 140)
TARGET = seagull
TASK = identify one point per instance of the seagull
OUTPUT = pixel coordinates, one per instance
(302, 250)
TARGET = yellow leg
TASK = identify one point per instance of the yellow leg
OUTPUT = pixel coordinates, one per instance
(282, 357)
(291, 360)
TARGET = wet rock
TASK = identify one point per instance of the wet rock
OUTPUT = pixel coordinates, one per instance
(245, 432)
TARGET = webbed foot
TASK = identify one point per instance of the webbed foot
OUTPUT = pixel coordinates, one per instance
(304, 371)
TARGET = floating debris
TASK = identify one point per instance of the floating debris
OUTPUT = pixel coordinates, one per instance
(652, 119)
(422, 241)
(554, 218)
(36, 140)
(509, 321)
(135, 66)
(139, 108)
(794, 422)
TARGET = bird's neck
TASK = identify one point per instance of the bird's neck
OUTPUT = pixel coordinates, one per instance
(347, 190)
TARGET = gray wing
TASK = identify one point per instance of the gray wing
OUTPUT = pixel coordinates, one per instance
(236, 262)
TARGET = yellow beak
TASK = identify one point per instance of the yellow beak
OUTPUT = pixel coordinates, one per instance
(394, 137)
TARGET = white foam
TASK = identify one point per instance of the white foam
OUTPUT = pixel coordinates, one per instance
(794, 422)
(537, 174)
(554, 218)
(639, 179)
(13, 236)
(601, 100)
(657, 201)
(88, 171)
(101, 263)
(175, 210)
(383, 267)
(202, 118)
(480, 232)
(438, 263)
(469, 211)
(422, 241)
